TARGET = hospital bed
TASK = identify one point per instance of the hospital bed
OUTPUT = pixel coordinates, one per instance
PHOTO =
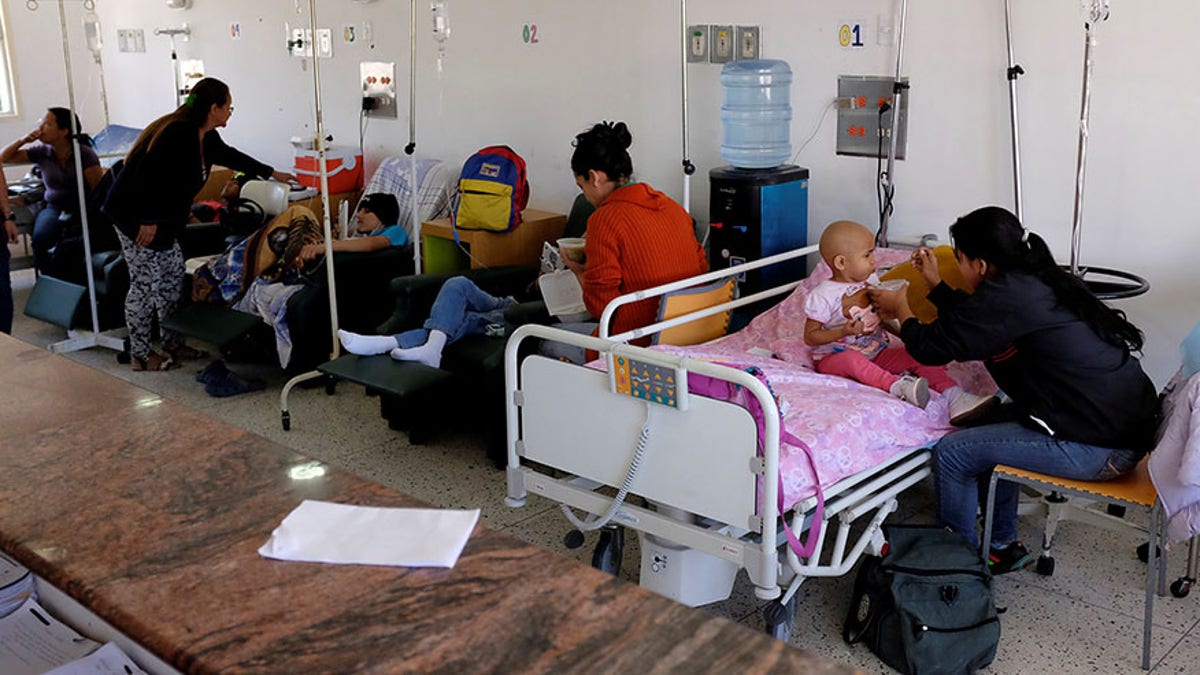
(712, 494)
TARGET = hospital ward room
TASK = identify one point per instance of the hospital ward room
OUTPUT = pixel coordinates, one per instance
(546, 336)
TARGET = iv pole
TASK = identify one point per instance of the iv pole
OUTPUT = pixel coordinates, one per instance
(898, 87)
(171, 33)
(688, 167)
(1096, 13)
(1014, 71)
(322, 146)
(411, 148)
(77, 340)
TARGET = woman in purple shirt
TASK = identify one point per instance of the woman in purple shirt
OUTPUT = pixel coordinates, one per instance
(50, 147)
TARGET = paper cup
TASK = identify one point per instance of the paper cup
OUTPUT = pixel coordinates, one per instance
(573, 248)
(891, 285)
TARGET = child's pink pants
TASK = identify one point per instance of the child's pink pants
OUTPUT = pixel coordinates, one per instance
(884, 370)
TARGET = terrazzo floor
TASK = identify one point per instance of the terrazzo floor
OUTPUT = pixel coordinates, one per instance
(1087, 618)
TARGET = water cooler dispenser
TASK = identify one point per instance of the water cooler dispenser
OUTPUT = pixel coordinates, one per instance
(758, 206)
(757, 213)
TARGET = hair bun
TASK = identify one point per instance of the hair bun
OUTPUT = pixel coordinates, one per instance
(622, 136)
(613, 135)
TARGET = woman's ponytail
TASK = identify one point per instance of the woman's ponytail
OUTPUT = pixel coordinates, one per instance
(996, 236)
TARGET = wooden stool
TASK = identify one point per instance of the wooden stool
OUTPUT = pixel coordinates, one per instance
(1134, 490)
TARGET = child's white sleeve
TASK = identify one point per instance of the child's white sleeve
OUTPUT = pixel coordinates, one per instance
(816, 305)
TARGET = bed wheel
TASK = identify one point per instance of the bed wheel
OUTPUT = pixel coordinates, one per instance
(779, 619)
(330, 387)
(573, 540)
(609, 550)
(1182, 586)
(1045, 565)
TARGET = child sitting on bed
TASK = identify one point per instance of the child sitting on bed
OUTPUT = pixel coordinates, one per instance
(848, 337)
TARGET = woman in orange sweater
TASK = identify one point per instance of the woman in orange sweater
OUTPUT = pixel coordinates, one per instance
(638, 237)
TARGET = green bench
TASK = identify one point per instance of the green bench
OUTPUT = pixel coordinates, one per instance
(410, 393)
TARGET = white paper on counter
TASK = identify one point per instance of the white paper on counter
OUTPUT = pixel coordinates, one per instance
(108, 660)
(16, 585)
(367, 535)
(33, 642)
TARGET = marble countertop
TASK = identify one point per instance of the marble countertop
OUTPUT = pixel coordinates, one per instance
(150, 514)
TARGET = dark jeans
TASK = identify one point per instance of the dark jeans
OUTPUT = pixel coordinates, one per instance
(964, 460)
(6, 299)
(48, 230)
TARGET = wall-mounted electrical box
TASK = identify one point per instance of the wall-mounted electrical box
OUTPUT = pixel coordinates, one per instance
(748, 42)
(131, 40)
(696, 44)
(720, 44)
(862, 131)
(324, 43)
(301, 42)
(378, 88)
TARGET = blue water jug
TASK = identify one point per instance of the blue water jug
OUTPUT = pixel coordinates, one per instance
(757, 113)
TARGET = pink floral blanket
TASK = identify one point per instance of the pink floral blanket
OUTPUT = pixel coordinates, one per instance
(850, 427)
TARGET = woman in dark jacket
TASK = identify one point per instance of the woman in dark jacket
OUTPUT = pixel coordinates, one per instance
(150, 202)
(1082, 407)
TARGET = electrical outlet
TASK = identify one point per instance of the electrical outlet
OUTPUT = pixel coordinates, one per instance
(748, 46)
(378, 80)
(697, 44)
(720, 44)
(325, 43)
(859, 132)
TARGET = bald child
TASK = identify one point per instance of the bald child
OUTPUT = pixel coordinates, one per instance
(848, 337)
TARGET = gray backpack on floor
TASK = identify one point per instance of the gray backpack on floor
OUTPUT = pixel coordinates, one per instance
(926, 605)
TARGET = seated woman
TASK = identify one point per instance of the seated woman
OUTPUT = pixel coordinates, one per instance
(50, 147)
(1081, 405)
(636, 239)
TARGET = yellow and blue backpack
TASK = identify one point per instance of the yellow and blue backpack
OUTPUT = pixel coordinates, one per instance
(492, 190)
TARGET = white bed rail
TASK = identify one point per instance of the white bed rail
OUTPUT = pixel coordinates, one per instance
(765, 524)
(658, 291)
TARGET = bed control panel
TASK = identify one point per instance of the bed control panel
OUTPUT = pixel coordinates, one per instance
(664, 383)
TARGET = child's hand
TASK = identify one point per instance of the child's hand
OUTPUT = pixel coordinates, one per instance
(853, 327)
(926, 263)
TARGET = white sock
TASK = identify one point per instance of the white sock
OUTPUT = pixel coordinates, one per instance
(429, 353)
(366, 345)
(952, 393)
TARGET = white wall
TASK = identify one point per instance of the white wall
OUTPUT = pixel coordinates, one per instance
(618, 59)
(36, 46)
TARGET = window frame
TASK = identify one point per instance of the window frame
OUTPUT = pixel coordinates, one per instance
(8, 75)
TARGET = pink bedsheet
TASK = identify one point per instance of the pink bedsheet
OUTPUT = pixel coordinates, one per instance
(849, 426)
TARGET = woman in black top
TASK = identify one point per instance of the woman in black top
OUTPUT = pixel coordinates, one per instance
(1082, 407)
(150, 202)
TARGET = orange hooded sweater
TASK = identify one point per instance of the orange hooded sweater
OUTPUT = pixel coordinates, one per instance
(638, 238)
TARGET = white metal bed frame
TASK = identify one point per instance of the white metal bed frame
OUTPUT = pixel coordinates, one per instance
(566, 417)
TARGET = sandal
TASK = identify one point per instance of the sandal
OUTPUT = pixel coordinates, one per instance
(182, 352)
(156, 362)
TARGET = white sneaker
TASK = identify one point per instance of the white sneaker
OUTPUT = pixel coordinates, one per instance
(966, 407)
(911, 389)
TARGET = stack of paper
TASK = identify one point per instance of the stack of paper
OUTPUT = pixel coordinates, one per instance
(16, 585)
(366, 535)
(32, 642)
(108, 660)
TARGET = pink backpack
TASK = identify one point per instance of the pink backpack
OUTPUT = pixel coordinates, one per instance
(728, 391)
